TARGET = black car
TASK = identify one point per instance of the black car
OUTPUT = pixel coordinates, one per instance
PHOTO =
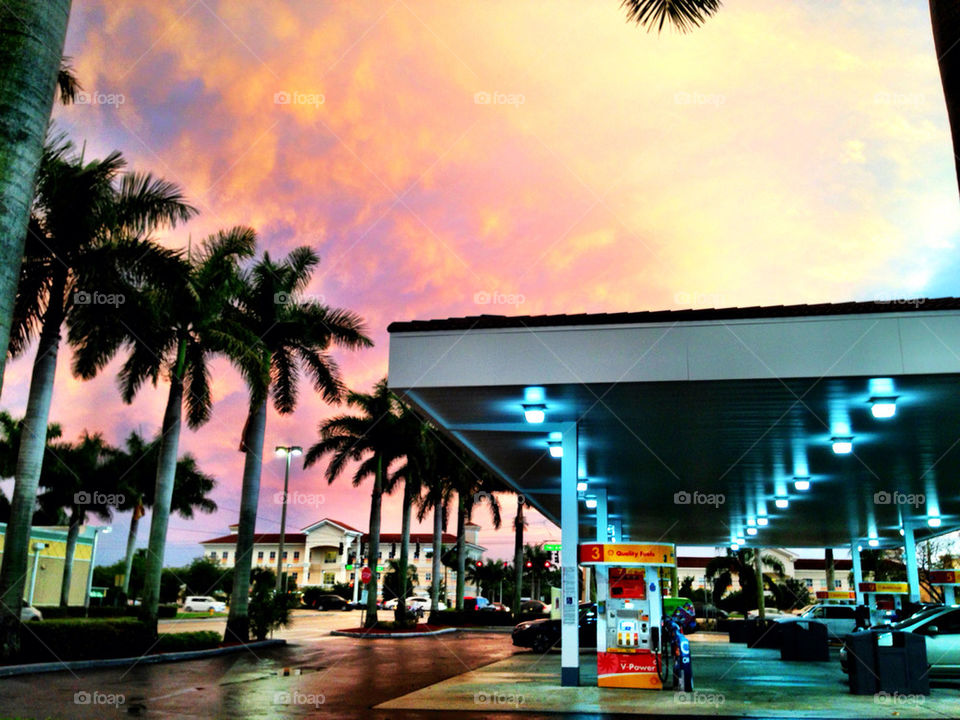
(328, 602)
(541, 635)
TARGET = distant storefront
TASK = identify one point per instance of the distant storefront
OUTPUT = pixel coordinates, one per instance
(48, 545)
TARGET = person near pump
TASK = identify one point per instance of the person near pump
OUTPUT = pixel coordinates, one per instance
(682, 662)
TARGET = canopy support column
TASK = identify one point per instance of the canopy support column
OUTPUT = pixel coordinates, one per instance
(569, 541)
(910, 555)
(857, 571)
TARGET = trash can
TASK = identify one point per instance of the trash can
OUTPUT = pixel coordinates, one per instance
(737, 631)
(862, 662)
(902, 664)
(804, 641)
(763, 635)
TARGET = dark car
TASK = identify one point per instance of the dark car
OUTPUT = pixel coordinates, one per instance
(328, 602)
(541, 635)
(534, 606)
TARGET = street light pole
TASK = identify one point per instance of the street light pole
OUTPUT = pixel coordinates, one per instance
(286, 452)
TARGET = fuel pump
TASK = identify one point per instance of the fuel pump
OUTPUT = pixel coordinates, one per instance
(629, 611)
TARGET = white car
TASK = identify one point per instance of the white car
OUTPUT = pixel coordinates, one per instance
(203, 603)
(28, 613)
(418, 601)
(940, 628)
(839, 619)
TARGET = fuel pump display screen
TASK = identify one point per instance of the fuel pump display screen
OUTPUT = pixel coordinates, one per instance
(627, 583)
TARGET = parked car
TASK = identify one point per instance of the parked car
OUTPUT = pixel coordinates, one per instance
(496, 607)
(940, 627)
(420, 601)
(541, 635)
(475, 603)
(203, 603)
(329, 602)
(534, 606)
(29, 613)
(709, 611)
(839, 619)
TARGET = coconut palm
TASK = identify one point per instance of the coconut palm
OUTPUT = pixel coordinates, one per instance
(294, 335)
(170, 327)
(87, 247)
(720, 571)
(439, 493)
(474, 485)
(31, 45)
(368, 438)
(684, 15)
(135, 468)
(77, 477)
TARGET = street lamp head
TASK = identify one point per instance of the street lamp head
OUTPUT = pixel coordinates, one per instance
(292, 450)
(296, 450)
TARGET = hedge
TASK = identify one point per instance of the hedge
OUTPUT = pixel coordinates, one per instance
(469, 618)
(184, 641)
(106, 611)
(84, 639)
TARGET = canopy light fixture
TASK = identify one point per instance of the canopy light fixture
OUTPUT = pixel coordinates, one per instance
(751, 531)
(873, 542)
(902, 532)
(842, 445)
(591, 503)
(535, 414)
(801, 483)
(933, 522)
(782, 503)
(556, 449)
(762, 521)
(883, 407)
(734, 546)
(581, 486)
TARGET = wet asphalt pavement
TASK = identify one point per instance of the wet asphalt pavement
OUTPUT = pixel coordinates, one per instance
(339, 678)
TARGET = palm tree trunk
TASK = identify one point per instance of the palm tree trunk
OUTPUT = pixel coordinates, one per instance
(76, 518)
(33, 441)
(163, 492)
(518, 558)
(31, 48)
(401, 613)
(461, 548)
(131, 549)
(238, 622)
(437, 552)
(828, 567)
(375, 498)
(758, 573)
(945, 19)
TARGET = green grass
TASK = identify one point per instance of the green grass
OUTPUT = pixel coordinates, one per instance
(185, 615)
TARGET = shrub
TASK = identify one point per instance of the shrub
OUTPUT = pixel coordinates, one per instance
(266, 611)
(85, 639)
(185, 641)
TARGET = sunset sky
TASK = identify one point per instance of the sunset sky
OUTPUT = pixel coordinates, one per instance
(518, 157)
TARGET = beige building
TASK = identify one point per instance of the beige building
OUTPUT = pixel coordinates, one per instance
(811, 572)
(48, 546)
(327, 551)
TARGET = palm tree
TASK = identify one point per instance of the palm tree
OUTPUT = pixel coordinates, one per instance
(439, 492)
(87, 247)
(370, 439)
(293, 335)
(171, 326)
(720, 571)
(474, 485)
(31, 46)
(77, 477)
(537, 562)
(519, 523)
(135, 469)
(684, 15)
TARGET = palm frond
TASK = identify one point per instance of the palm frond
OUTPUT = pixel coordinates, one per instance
(684, 15)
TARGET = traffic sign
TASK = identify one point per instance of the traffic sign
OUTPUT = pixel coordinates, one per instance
(551, 547)
(366, 575)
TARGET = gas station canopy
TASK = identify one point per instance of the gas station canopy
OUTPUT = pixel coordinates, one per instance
(708, 427)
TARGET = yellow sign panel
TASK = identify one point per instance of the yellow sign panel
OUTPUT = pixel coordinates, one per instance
(628, 553)
(834, 595)
(944, 577)
(895, 588)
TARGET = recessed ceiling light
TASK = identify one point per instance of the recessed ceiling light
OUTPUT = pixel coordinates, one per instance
(762, 521)
(933, 522)
(842, 445)
(591, 503)
(581, 486)
(801, 483)
(873, 542)
(883, 407)
(751, 531)
(782, 503)
(535, 414)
